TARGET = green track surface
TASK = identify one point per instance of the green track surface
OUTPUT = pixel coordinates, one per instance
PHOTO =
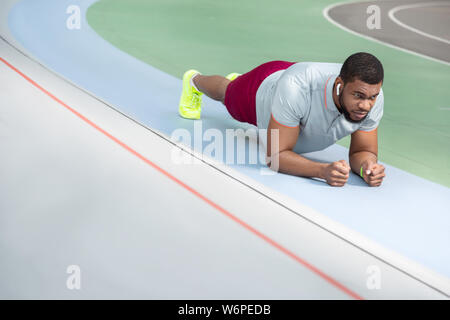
(219, 37)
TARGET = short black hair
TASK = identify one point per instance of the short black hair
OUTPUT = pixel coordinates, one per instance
(362, 66)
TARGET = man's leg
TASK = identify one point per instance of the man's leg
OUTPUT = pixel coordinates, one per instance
(213, 86)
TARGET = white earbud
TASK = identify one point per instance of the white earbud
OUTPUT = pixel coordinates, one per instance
(337, 88)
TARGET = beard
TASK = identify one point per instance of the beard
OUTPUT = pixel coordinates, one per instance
(344, 111)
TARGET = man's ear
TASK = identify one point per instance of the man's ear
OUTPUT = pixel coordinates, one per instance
(339, 85)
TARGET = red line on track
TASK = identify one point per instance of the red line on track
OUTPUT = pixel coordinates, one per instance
(181, 183)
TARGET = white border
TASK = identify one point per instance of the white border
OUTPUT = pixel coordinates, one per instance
(394, 259)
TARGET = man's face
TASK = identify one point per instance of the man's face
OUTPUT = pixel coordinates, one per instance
(357, 99)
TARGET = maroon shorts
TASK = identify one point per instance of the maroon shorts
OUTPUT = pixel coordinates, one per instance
(240, 96)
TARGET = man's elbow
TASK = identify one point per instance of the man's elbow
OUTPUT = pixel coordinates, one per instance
(273, 162)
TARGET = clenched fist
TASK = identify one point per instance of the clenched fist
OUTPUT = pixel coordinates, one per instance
(336, 173)
(373, 173)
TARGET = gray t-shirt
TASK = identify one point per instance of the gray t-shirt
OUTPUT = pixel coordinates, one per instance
(302, 96)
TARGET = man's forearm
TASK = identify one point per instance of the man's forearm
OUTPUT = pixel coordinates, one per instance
(294, 164)
(358, 158)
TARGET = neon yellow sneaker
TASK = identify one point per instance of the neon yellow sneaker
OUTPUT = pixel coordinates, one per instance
(232, 76)
(191, 99)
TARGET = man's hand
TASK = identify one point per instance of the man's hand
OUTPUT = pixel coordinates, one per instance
(373, 173)
(336, 173)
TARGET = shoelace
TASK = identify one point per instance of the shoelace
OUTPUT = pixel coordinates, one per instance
(194, 101)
